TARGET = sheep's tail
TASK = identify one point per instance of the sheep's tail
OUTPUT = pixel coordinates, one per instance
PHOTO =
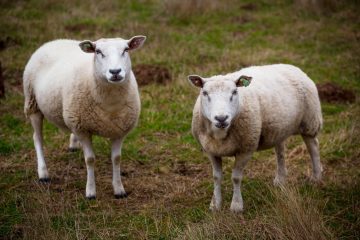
(30, 105)
(312, 121)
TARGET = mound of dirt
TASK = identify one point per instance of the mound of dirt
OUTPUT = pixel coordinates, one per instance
(146, 74)
(249, 6)
(332, 93)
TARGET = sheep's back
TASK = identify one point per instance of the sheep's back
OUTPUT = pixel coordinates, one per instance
(283, 93)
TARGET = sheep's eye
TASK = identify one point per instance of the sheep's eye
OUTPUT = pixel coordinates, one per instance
(205, 93)
(125, 50)
(97, 51)
(234, 92)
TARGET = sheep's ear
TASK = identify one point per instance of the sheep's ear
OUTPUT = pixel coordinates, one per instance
(87, 46)
(243, 81)
(196, 80)
(136, 42)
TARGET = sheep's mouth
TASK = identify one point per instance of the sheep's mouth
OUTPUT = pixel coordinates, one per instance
(222, 125)
(116, 78)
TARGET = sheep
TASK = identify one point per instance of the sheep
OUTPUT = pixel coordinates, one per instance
(86, 88)
(230, 120)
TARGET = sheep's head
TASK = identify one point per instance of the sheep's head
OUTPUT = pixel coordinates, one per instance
(219, 98)
(112, 61)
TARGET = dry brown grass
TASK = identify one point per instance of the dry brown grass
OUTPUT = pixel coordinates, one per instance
(354, 137)
(58, 210)
(288, 216)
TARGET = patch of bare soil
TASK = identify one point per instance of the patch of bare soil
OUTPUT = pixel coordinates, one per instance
(249, 6)
(332, 93)
(147, 74)
(187, 169)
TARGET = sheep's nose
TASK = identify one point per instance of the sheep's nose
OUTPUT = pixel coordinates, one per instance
(115, 71)
(221, 118)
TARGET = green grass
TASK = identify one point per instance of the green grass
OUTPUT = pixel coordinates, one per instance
(168, 177)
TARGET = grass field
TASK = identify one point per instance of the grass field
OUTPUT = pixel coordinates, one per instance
(167, 176)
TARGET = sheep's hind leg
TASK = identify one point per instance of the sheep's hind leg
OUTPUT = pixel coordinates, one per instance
(237, 204)
(74, 143)
(89, 155)
(280, 177)
(217, 176)
(119, 191)
(37, 123)
(312, 145)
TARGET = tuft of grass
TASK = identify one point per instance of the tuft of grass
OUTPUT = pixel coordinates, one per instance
(287, 216)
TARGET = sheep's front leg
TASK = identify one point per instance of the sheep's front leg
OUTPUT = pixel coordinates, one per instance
(89, 155)
(74, 143)
(36, 122)
(312, 145)
(119, 191)
(217, 175)
(281, 169)
(237, 204)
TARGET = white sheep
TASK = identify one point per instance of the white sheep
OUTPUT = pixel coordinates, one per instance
(87, 88)
(230, 120)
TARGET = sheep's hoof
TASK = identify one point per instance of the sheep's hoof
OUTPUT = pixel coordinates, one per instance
(237, 211)
(316, 180)
(121, 195)
(91, 197)
(44, 180)
(214, 207)
(71, 149)
(236, 207)
(279, 181)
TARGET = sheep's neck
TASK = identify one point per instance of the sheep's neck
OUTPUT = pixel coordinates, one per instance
(103, 92)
